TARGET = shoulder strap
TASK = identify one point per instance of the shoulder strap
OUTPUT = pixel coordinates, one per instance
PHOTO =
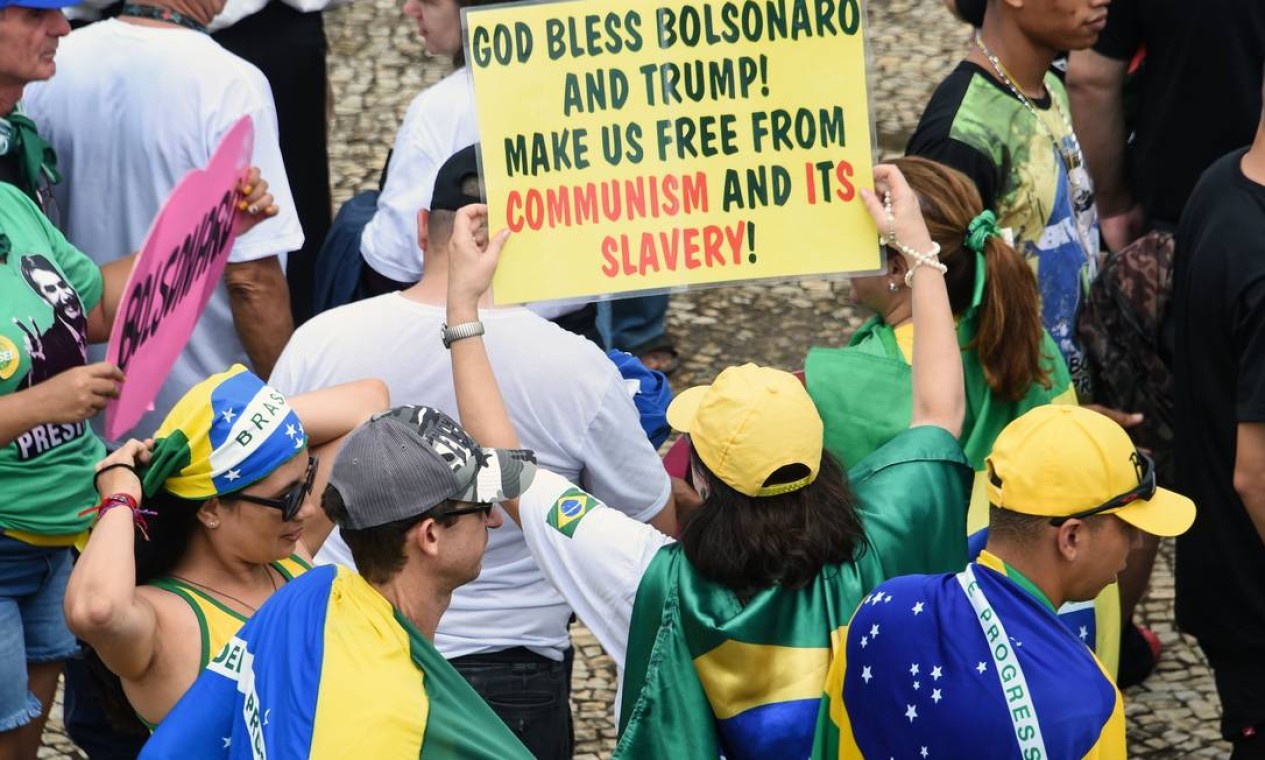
(291, 567)
(186, 593)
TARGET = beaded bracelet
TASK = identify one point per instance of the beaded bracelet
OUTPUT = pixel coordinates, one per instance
(929, 259)
(123, 500)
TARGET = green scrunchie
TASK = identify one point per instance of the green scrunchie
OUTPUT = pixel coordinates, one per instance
(981, 228)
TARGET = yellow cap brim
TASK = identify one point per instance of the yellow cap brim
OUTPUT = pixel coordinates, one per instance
(684, 408)
(1164, 514)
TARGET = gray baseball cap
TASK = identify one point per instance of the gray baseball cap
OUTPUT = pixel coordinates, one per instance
(404, 462)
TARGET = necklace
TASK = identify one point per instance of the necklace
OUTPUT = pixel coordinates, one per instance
(217, 592)
(138, 10)
(1071, 156)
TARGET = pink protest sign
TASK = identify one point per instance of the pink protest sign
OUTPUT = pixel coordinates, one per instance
(176, 272)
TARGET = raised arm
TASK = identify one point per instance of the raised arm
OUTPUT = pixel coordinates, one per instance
(102, 606)
(471, 262)
(939, 391)
(328, 416)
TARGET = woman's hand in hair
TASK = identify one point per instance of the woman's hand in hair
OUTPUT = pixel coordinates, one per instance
(472, 257)
(117, 473)
(906, 215)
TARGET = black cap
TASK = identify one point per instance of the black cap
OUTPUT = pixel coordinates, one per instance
(459, 168)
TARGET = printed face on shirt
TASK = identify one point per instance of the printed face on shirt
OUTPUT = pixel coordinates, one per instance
(52, 288)
(438, 24)
(28, 42)
(1062, 24)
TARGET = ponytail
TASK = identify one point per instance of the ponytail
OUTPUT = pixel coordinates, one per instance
(1009, 335)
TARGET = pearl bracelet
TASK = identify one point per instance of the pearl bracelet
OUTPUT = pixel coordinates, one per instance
(928, 259)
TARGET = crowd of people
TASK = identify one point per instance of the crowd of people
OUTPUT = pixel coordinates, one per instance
(367, 504)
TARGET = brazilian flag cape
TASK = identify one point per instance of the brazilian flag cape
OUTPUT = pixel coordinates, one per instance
(864, 393)
(972, 664)
(329, 669)
(709, 673)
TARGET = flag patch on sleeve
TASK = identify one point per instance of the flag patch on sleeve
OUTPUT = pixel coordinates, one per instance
(569, 509)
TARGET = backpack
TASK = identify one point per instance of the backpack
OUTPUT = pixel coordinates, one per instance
(1120, 326)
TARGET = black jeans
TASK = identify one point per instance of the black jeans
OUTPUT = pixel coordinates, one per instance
(531, 693)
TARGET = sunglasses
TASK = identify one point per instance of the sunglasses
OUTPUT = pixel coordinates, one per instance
(486, 509)
(291, 501)
(1144, 490)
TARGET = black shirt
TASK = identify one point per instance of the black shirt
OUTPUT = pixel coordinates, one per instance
(1218, 314)
(1199, 92)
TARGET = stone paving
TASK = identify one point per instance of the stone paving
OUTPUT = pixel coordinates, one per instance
(377, 66)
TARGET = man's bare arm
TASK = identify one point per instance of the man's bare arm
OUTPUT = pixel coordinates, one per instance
(1249, 472)
(260, 299)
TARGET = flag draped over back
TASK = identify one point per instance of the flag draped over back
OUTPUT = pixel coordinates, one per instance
(328, 669)
(967, 665)
(722, 676)
(709, 673)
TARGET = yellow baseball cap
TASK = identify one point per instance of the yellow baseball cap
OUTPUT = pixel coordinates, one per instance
(1066, 461)
(750, 422)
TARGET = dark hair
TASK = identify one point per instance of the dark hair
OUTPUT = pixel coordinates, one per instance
(1009, 338)
(170, 529)
(440, 222)
(439, 225)
(749, 544)
(379, 551)
(1014, 526)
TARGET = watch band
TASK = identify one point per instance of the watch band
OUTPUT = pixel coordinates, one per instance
(457, 332)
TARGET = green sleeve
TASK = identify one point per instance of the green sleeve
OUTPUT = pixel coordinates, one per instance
(913, 495)
(81, 272)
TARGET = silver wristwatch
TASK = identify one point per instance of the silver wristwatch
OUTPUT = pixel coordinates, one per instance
(457, 332)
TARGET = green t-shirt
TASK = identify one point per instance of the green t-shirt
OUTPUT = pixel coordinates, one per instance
(47, 288)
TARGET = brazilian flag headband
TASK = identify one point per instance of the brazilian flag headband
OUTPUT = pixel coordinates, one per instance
(227, 432)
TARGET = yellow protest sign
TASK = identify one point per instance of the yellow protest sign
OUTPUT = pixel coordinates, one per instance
(633, 145)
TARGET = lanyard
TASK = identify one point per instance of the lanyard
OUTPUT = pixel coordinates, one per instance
(1014, 686)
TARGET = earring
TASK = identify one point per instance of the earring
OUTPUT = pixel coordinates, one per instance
(213, 524)
(892, 287)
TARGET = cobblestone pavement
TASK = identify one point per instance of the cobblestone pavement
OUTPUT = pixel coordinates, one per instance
(377, 66)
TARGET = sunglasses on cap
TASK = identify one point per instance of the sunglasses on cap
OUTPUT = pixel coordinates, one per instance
(1144, 490)
(291, 501)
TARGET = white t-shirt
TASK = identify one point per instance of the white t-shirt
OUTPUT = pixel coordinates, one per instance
(440, 121)
(234, 10)
(568, 403)
(598, 565)
(131, 111)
